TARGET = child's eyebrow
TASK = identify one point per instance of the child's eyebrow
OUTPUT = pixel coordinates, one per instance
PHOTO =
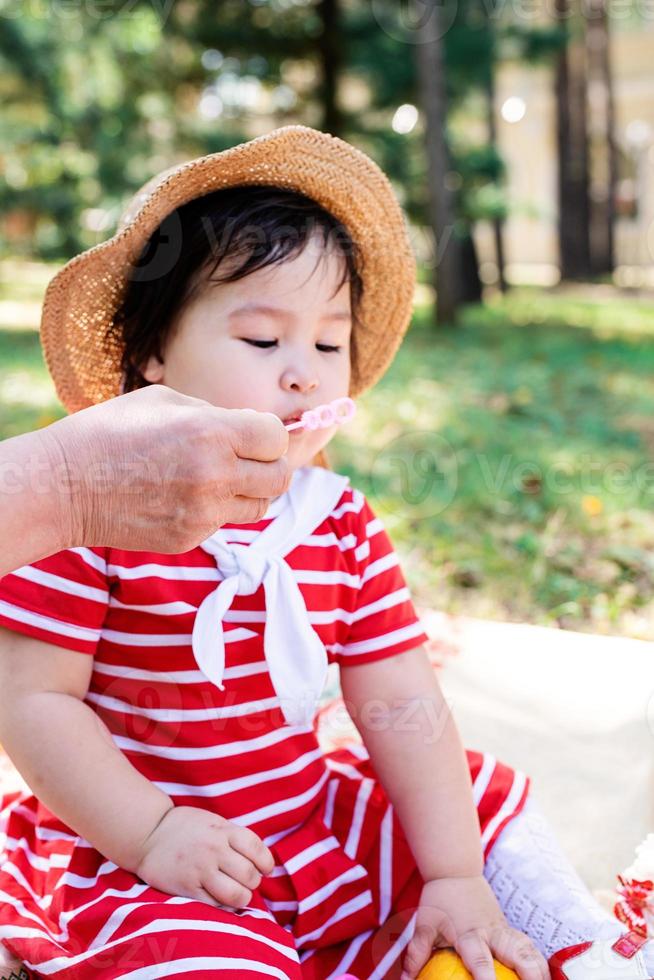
(279, 314)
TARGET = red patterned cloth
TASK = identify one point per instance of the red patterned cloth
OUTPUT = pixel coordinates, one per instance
(635, 904)
(345, 885)
(632, 905)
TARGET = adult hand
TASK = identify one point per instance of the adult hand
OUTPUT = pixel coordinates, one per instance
(157, 470)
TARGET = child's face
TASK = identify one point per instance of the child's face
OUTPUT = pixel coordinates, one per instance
(294, 308)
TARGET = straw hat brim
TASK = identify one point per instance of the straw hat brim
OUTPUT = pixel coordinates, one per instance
(81, 300)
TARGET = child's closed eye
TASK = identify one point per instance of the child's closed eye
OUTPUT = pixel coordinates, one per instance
(267, 344)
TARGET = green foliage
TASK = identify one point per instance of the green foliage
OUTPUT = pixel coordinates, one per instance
(99, 96)
(510, 459)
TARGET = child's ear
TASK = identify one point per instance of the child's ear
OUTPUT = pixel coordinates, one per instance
(153, 370)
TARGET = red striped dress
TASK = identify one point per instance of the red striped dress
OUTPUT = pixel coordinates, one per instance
(344, 890)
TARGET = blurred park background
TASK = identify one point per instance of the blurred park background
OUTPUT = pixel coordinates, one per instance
(509, 448)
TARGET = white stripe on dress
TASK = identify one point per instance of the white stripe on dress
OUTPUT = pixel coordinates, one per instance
(507, 808)
(329, 806)
(386, 865)
(297, 765)
(59, 584)
(483, 777)
(356, 903)
(383, 641)
(221, 751)
(182, 714)
(310, 854)
(91, 559)
(207, 964)
(379, 973)
(385, 602)
(356, 826)
(177, 608)
(349, 957)
(281, 806)
(315, 898)
(176, 676)
(379, 565)
(57, 626)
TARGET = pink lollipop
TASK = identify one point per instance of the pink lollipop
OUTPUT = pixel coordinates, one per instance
(333, 413)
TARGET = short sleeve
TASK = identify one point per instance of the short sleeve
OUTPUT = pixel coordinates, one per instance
(62, 599)
(384, 621)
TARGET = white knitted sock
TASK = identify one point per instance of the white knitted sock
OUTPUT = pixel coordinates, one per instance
(540, 892)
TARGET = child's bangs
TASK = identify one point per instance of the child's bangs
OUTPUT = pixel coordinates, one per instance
(221, 237)
(274, 227)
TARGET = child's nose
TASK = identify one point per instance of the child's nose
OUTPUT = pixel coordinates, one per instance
(302, 379)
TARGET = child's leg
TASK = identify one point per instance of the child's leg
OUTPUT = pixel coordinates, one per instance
(540, 892)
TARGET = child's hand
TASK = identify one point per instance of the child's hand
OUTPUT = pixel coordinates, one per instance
(463, 913)
(198, 854)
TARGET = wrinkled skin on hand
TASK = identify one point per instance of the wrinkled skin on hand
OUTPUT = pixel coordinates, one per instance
(157, 470)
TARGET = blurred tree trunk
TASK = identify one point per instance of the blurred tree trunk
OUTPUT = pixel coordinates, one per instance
(489, 93)
(604, 161)
(573, 177)
(329, 48)
(498, 223)
(433, 98)
(470, 290)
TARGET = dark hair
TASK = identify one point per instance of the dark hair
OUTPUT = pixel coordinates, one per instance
(258, 225)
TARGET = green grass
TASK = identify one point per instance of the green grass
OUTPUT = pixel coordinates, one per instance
(509, 457)
(510, 461)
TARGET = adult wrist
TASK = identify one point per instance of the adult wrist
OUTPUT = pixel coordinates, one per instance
(62, 508)
(32, 483)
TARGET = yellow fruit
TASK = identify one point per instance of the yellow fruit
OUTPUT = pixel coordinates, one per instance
(447, 965)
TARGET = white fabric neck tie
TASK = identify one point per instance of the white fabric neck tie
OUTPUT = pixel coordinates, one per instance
(296, 656)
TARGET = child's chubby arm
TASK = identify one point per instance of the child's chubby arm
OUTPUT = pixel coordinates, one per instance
(415, 748)
(414, 745)
(67, 756)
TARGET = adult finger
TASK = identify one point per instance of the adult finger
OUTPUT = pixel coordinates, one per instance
(476, 955)
(517, 951)
(258, 435)
(243, 510)
(250, 478)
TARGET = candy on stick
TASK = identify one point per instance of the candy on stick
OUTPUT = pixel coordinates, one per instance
(333, 413)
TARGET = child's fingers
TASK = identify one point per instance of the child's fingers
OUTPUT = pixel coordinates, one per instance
(240, 868)
(427, 932)
(515, 950)
(204, 896)
(225, 889)
(418, 951)
(476, 955)
(246, 842)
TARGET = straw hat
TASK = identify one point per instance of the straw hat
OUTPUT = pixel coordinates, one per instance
(81, 300)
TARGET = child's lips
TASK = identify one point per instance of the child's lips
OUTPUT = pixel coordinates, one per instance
(295, 417)
(299, 430)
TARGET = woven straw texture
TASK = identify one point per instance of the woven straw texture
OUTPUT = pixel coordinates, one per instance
(81, 300)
